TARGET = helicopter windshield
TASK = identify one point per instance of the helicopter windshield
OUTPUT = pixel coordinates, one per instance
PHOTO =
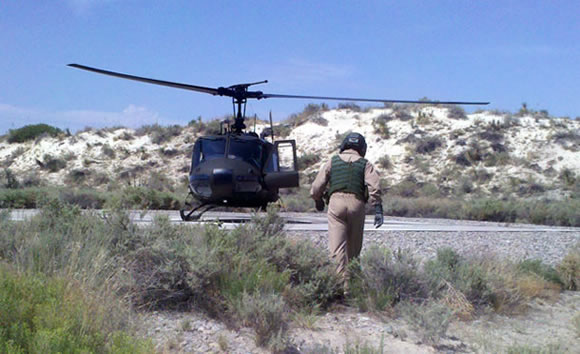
(247, 150)
(207, 149)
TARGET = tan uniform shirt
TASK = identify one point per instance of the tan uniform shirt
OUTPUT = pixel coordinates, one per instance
(372, 178)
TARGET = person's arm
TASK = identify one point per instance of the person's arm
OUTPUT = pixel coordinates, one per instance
(373, 182)
(320, 182)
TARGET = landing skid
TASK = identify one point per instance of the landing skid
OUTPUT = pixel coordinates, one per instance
(192, 216)
(196, 212)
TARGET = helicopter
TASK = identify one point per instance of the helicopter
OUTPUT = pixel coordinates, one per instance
(236, 168)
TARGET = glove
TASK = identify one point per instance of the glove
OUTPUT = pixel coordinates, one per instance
(378, 215)
(319, 204)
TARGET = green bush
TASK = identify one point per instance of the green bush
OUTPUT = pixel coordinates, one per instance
(40, 314)
(31, 132)
(26, 198)
(159, 134)
(430, 320)
(427, 144)
(266, 313)
(536, 266)
(470, 278)
(307, 160)
(8, 179)
(385, 162)
(456, 112)
(569, 269)
(380, 126)
(382, 279)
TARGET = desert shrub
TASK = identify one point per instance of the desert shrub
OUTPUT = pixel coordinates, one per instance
(567, 176)
(108, 151)
(422, 207)
(536, 266)
(31, 132)
(320, 121)
(430, 320)
(282, 130)
(349, 106)
(8, 179)
(569, 269)
(469, 278)
(406, 188)
(145, 198)
(159, 134)
(85, 199)
(213, 127)
(464, 186)
(52, 164)
(427, 144)
(159, 181)
(456, 112)
(307, 160)
(382, 278)
(385, 162)
(549, 212)
(380, 126)
(309, 110)
(563, 136)
(530, 188)
(297, 200)
(471, 156)
(266, 313)
(500, 158)
(401, 112)
(491, 210)
(43, 314)
(481, 175)
(24, 198)
(126, 135)
(78, 176)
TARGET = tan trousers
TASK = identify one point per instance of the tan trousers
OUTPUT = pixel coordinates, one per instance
(346, 219)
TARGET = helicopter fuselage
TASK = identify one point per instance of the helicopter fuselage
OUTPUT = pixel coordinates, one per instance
(236, 170)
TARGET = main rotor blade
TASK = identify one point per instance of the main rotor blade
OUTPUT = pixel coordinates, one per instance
(211, 91)
(273, 95)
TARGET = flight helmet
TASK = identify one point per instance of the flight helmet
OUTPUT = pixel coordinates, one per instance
(356, 142)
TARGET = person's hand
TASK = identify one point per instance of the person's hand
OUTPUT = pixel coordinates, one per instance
(319, 204)
(379, 219)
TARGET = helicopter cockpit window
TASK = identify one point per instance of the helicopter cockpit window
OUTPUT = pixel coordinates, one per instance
(249, 151)
(207, 149)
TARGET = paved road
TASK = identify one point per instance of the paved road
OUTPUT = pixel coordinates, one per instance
(318, 222)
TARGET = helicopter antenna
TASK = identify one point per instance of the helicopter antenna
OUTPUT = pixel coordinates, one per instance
(255, 117)
(272, 127)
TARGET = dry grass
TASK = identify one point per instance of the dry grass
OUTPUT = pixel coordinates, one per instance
(457, 302)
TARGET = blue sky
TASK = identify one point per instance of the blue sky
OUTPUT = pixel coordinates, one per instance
(506, 52)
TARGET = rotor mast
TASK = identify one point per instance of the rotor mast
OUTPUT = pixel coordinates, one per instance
(240, 95)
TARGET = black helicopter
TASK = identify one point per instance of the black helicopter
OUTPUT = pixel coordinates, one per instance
(237, 168)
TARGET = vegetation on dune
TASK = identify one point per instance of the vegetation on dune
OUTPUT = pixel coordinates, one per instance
(32, 132)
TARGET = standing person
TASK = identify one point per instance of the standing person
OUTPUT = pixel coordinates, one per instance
(352, 181)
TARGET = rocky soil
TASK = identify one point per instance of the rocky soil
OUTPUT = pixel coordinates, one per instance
(546, 326)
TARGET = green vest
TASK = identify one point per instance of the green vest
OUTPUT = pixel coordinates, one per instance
(348, 177)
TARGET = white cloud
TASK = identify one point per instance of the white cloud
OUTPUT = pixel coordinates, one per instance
(132, 116)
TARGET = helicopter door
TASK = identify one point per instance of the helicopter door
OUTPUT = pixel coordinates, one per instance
(283, 160)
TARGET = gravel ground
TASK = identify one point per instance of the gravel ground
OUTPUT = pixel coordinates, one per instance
(547, 325)
(550, 247)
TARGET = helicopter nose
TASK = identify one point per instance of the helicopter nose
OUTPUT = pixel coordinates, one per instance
(222, 181)
(223, 176)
